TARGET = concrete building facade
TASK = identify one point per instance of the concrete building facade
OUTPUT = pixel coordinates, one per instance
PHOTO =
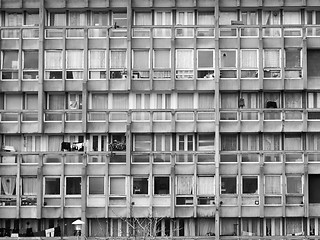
(161, 118)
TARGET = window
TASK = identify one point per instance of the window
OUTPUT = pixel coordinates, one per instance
(185, 142)
(250, 100)
(142, 143)
(120, 101)
(119, 19)
(96, 185)
(57, 19)
(294, 226)
(272, 100)
(74, 101)
(206, 18)
(53, 64)
(313, 141)
(99, 143)
(161, 19)
(294, 184)
(140, 64)
(228, 185)
(97, 64)
(250, 227)
(313, 17)
(293, 58)
(52, 186)
(74, 64)
(55, 101)
(314, 181)
(292, 141)
(13, 19)
(29, 191)
(140, 185)
(117, 186)
(162, 59)
(99, 18)
(273, 227)
(206, 64)
(271, 142)
(118, 64)
(205, 186)
(206, 101)
(73, 185)
(8, 185)
(271, 17)
(185, 185)
(31, 143)
(142, 18)
(272, 63)
(226, 18)
(185, 101)
(313, 63)
(249, 18)
(77, 19)
(228, 63)
(249, 184)
(272, 189)
(291, 17)
(12, 101)
(162, 142)
(30, 64)
(229, 142)
(184, 64)
(205, 142)
(161, 185)
(185, 18)
(10, 64)
(99, 101)
(249, 63)
(249, 142)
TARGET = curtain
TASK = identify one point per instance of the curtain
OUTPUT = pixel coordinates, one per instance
(98, 227)
(229, 226)
(120, 101)
(8, 185)
(291, 17)
(32, 143)
(77, 19)
(184, 18)
(31, 102)
(206, 186)
(293, 225)
(294, 184)
(229, 142)
(74, 59)
(142, 101)
(143, 18)
(118, 59)
(205, 18)
(249, 59)
(293, 100)
(250, 227)
(249, 18)
(29, 186)
(229, 100)
(99, 101)
(14, 141)
(250, 142)
(53, 59)
(270, 18)
(251, 100)
(57, 19)
(142, 143)
(13, 19)
(313, 143)
(163, 18)
(184, 59)
(32, 18)
(185, 100)
(56, 102)
(227, 17)
(272, 58)
(272, 97)
(313, 100)
(97, 59)
(189, 227)
(54, 143)
(271, 142)
(185, 185)
(161, 59)
(206, 101)
(205, 226)
(141, 59)
(292, 142)
(162, 142)
(272, 185)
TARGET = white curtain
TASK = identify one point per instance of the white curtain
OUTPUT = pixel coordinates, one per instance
(184, 59)
(185, 185)
(97, 59)
(272, 58)
(205, 186)
(313, 100)
(250, 142)
(184, 18)
(205, 18)
(163, 18)
(120, 101)
(291, 17)
(54, 143)
(229, 100)
(117, 186)
(271, 17)
(185, 101)
(206, 101)
(118, 59)
(53, 59)
(205, 226)
(56, 102)
(249, 59)
(293, 100)
(29, 186)
(15, 141)
(227, 17)
(143, 18)
(77, 19)
(271, 142)
(313, 143)
(292, 142)
(8, 184)
(32, 18)
(99, 101)
(272, 185)
(74, 59)
(251, 100)
(13, 19)
(249, 18)
(293, 225)
(229, 226)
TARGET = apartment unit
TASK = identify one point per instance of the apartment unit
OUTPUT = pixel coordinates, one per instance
(161, 118)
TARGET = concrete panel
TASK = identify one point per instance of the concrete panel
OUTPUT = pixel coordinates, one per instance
(142, 169)
(185, 127)
(119, 84)
(184, 169)
(314, 210)
(140, 212)
(6, 127)
(184, 211)
(29, 86)
(53, 85)
(73, 169)
(294, 168)
(28, 212)
(250, 84)
(274, 211)
(141, 127)
(229, 211)
(51, 212)
(9, 44)
(117, 169)
(206, 211)
(294, 211)
(231, 126)
(272, 168)
(205, 43)
(73, 127)
(184, 43)
(97, 85)
(250, 168)
(161, 169)
(205, 127)
(29, 127)
(161, 127)
(293, 84)
(74, 85)
(205, 169)
(29, 170)
(140, 43)
(72, 212)
(8, 170)
(53, 127)
(97, 127)
(117, 212)
(12, 85)
(95, 212)
(118, 43)
(161, 201)
(140, 85)
(161, 212)
(229, 169)
(184, 84)
(97, 43)
(229, 84)
(250, 211)
(205, 85)
(162, 85)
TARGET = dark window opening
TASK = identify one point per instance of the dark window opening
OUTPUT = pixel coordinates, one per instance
(140, 186)
(313, 63)
(314, 193)
(73, 186)
(228, 185)
(161, 185)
